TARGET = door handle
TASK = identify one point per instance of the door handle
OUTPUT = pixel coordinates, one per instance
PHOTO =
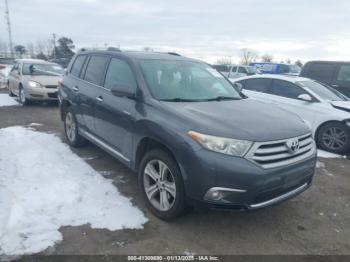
(99, 99)
(335, 85)
(75, 88)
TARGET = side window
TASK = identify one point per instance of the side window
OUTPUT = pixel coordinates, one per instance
(344, 73)
(322, 72)
(221, 68)
(15, 67)
(119, 72)
(95, 70)
(242, 70)
(78, 64)
(259, 85)
(286, 89)
(234, 69)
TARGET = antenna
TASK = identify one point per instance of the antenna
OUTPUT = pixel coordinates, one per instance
(8, 22)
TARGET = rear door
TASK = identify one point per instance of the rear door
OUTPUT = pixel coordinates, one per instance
(114, 116)
(93, 76)
(73, 85)
(342, 79)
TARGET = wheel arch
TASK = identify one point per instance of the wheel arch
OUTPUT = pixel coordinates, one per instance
(63, 107)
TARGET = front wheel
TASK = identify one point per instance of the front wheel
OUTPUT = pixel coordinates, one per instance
(334, 137)
(161, 185)
(22, 96)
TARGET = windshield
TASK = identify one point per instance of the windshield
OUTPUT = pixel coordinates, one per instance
(42, 69)
(186, 81)
(294, 69)
(325, 92)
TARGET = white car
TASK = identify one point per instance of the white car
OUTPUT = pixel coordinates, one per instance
(235, 71)
(324, 109)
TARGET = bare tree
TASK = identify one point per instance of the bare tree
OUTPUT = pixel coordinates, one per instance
(248, 56)
(298, 63)
(31, 49)
(226, 60)
(40, 47)
(147, 49)
(288, 61)
(267, 58)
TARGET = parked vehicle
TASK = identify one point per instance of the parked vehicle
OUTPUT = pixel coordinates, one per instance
(276, 68)
(5, 67)
(334, 74)
(234, 71)
(190, 135)
(34, 80)
(326, 110)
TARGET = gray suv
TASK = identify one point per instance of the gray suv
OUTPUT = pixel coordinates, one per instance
(191, 136)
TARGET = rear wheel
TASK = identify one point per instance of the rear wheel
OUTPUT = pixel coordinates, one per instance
(334, 137)
(71, 129)
(161, 185)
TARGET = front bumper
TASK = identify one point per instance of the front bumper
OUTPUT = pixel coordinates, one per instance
(248, 185)
(41, 93)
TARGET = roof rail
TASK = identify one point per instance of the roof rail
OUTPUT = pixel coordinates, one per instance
(173, 53)
(110, 48)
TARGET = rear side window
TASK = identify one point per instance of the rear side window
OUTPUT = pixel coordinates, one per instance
(234, 69)
(77, 66)
(95, 70)
(322, 72)
(286, 89)
(119, 72)
(344, 73)
(259, 85)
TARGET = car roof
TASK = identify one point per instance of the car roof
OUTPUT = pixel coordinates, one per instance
(328, 62)
(139, 55)
(36, 61)
(288, 78)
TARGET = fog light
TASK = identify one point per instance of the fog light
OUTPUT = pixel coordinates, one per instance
(219, 193)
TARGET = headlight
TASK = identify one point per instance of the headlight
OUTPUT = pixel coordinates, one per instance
(34, 84)
(222, 145)
(347, 122)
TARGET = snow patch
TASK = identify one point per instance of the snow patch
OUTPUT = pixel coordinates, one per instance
(35, 124)
(325, 154)
(6, 100)
(44, 186)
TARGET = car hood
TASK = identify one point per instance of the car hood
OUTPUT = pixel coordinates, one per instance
(45, 80)
(244, 119)
(342, 105)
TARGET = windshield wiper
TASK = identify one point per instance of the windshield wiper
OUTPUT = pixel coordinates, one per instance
(177, 99)
(220, 98)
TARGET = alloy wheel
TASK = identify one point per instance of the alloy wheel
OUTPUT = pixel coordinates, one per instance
(70, 127)
(159, 185)
(334, 138)
(22, 96)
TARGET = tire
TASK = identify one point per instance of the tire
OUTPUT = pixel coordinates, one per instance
(334, 137)
(166, 194)
(22, 97)
(10, 92)
(71, 129)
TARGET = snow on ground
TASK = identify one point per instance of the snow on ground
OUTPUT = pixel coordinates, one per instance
(6, 100)
(44, 186)
(325, 154)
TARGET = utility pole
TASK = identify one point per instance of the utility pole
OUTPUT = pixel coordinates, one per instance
(54, 45)
(8, 23)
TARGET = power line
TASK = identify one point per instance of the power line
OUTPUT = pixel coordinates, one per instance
(8, 23)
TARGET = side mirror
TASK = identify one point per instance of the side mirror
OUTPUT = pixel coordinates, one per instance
(123, 90)
(238, 86)
(305, 97)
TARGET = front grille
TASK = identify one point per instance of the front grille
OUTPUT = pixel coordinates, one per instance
(280, 153)
(51, 86)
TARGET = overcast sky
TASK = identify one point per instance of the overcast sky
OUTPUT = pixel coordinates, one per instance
(298, 29)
